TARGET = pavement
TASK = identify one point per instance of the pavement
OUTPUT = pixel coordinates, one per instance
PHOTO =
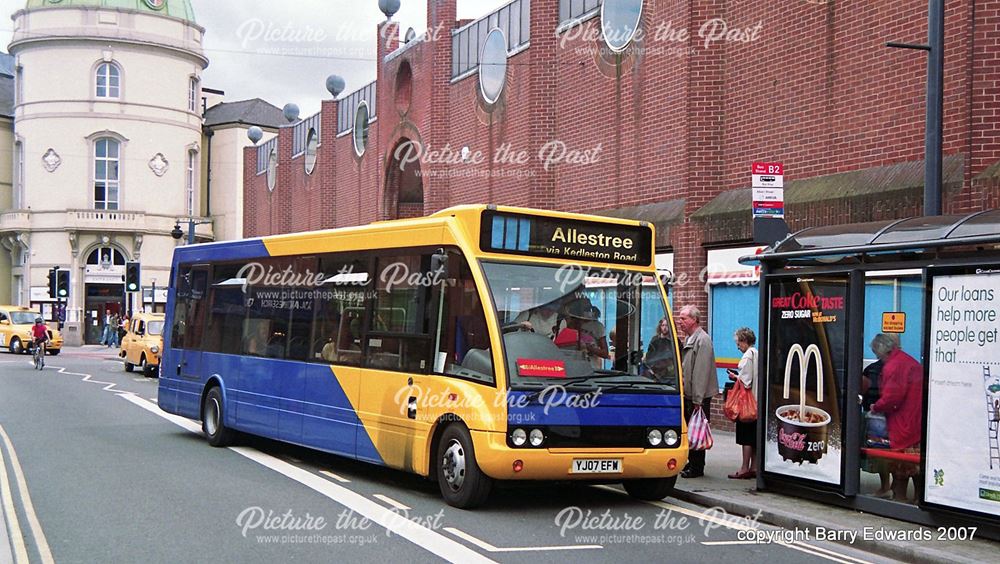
(740, 497)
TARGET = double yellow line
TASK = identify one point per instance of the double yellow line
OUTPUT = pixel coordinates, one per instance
(20, 549)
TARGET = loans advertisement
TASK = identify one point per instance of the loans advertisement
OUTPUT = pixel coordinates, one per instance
(807, 356)
(963, 453)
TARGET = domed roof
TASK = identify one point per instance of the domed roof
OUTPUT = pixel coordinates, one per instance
(174, 8)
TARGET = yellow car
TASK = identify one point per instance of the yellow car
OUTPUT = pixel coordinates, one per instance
(142, 344)
(15, 330)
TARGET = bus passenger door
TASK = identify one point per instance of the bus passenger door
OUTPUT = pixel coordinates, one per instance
(397, 356)
(186, 337)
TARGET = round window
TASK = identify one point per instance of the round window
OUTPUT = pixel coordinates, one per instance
(312, 141)
(272, 169)
(361, 128)
(620, 22)
(493, 65)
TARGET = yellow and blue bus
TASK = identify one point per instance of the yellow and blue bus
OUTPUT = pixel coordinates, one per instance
(478, 344)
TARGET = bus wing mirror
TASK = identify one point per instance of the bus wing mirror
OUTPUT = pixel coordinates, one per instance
(439, 261)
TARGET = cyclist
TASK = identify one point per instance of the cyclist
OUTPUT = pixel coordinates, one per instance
(39, 332)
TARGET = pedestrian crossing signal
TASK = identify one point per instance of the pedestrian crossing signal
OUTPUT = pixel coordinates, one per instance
(62, 284)
(132, 277)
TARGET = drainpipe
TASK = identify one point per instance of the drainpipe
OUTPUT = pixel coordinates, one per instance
(209, 133)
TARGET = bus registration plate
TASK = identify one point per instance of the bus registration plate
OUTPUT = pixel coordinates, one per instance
(596, 466)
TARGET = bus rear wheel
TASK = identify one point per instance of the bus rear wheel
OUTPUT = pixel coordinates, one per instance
(212, 420)
(462, 483)
(650, 489)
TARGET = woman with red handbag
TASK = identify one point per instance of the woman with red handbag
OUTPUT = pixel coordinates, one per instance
(746, 378)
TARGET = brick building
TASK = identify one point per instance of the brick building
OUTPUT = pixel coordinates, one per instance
(664, 130)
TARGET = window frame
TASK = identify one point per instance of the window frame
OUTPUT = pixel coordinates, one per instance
(100, 75)
(107, 182)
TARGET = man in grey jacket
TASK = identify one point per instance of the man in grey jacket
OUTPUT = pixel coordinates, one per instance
(700, 381)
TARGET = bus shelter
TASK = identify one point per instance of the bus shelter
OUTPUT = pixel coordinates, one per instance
(880, 385)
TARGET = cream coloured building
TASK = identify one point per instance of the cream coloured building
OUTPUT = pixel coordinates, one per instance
(109, 153)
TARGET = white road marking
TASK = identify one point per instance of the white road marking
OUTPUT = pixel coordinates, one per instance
(29, 509)
(419, 535)
(801, 547)
(335, 477)
(391, 502)
(154, 400)
(108, 386)
(490, 548)
(20, 551)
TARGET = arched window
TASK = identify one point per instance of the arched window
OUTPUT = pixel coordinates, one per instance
(194, 94)
(106, 257)
(107, 155)
(109, 80)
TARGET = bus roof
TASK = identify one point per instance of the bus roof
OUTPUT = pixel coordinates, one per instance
(432, 227)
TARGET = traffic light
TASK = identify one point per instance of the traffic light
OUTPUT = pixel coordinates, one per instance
(132, 282)
(52, 283)
(62, 284)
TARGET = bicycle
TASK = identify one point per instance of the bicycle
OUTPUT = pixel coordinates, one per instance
(39, 356)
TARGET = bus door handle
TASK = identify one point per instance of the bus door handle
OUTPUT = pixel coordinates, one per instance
(411, 407)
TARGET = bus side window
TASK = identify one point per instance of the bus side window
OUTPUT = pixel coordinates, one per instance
(340, 308)
(189, 314)
(226, 310)
(399, 332)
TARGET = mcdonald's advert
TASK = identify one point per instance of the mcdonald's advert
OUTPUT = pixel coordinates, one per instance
(807, 357)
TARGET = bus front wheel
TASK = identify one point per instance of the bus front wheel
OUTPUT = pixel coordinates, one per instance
(212, 420)
(462, 483)
(650, 489)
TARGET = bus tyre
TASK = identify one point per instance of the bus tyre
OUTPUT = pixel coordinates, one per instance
(462, 483)
(15, 346)
(129, 367)
(52, 352)
(650, 489)
(212, 420)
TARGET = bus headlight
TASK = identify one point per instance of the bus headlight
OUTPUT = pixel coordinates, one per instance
(154, 349)
(654, 437)
(536, 437)
(518, 437)
(671, 438)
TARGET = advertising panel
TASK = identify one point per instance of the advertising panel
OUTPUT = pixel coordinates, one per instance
(807, 359)
(963, 453)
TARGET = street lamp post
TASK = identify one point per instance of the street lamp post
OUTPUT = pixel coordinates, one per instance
(176, 232)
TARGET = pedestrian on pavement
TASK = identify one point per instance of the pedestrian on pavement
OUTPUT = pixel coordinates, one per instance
(746, 374)
(106, 330)
(700, 381)
(113, 331)
(901, 401)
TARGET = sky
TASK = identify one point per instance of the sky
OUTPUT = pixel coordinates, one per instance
(283, 51)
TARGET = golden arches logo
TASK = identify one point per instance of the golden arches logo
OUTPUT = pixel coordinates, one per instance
(804, 356)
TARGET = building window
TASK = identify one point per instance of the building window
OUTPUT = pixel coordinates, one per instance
(106, 257)
(193, 96)
(108, 81)
(191, 171)
(18, 202)
(106, 173)
(18, 85)
(361, 128)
